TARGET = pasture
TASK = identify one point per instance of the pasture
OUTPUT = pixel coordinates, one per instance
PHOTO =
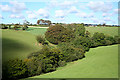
(17, 44)
(111, 31)
(99, 62)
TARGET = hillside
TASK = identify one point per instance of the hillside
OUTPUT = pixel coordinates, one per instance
(99, 63)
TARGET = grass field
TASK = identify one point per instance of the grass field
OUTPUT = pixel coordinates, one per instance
(17, 44)
(112, 31)
(100, 62)
(36, 31)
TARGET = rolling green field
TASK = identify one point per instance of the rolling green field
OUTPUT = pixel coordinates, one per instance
(111, 31)
(36, 31)
(100, 62)
(17, 44)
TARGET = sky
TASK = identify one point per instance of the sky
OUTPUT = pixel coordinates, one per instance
(60, 11)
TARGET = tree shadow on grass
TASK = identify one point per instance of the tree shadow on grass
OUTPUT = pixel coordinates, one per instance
(11, 47)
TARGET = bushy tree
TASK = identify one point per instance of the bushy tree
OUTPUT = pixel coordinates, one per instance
(85, 42)
(41, 39)
(48, 57)
(80, 30)
(117, 39)
(34, 66)
(70, 52)
(110, 40)
(57, 34)
(99, 38)
(14, 69)
(3, 26)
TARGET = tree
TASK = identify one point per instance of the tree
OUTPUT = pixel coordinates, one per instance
(41, 21)
(80, 30)
(38, 21)
(14, 69)
(25, 25)
(57, 34)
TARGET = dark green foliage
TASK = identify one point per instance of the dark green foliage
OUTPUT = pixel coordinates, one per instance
(16, 26)
(87, 34)
(3, 26)
(80, 30)
(85, 42)
(14, 69)
(70, 52)
(34, 66)
(117, 39)
(61, 63)
(9, 26)
(57, 34)
(48, 57)
(71, 27)
(99, 39)
(24, 27)
(110, 40)
(41, 39)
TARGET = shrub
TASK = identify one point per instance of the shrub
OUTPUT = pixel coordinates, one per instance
(48, 59)
(9, 26)
(16, 26)
(57, 34)
(3, 26)
(87, 34)
(81, 41)
(14, 69)
(110, 39)
(71, 27)
(34, 66)
(61, 63)
(80, 30)
(24, 27)
(108, 42)
(70, 52)
(117, 39)
(41, 39)
(99, 38)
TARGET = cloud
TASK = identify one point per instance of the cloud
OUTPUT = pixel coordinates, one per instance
(59, 13)
(43, 13)
(67, 4)
(85, 15)
(17, 7)
(20, 16)
(62, 4)
(95, 20)
(29, 12)
(116, 11)
(1, 17)
(14, 7)
(73, 9)
(5, 8)
(107, 19)
(107, 14)
(99, 6)
(32, 16)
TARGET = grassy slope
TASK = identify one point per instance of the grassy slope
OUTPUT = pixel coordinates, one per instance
(17, 44)
(101, 62)
(20, 44)
(112, 31)
(37, 31)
